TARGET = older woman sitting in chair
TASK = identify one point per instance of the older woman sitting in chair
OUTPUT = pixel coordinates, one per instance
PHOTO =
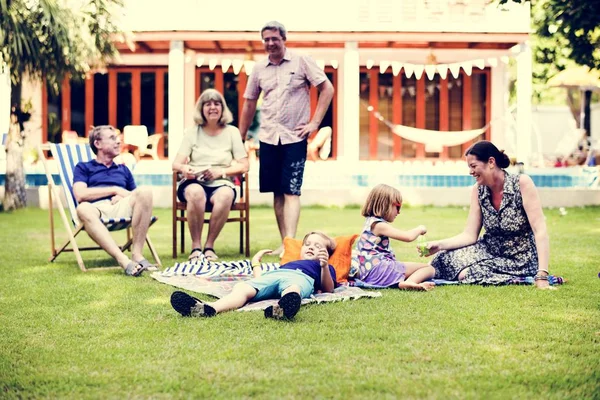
(206, 160)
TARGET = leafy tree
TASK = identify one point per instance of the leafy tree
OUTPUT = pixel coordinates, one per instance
(51, 40)
(572, 23)
(567, 32)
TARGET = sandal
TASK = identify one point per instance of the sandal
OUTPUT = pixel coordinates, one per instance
(214, 257)
(129, 270)
(147, 265)
(192, 257)
(189, 306)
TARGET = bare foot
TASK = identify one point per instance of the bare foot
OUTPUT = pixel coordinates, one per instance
(425, 286)
(278, 251)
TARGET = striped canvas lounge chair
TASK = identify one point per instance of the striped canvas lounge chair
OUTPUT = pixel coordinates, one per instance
(66, 157)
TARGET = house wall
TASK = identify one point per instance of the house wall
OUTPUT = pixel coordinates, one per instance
(318, 15)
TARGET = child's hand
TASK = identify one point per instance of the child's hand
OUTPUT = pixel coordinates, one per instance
(422, 229)
(258, 256)
(323, 257)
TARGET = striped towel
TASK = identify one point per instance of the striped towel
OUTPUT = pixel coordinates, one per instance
(202, 267)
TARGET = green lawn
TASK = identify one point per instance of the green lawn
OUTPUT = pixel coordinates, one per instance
(68, 334)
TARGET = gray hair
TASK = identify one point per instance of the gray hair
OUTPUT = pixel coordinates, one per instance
(94, 134)
(205, 97)
(275, 26)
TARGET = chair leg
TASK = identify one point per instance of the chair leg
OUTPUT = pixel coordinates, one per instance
(74, 246)
(182, 233)
(153, 251)
(247, 233)
(73, 243)
(241, 235)
(129, 241)
(174, 228)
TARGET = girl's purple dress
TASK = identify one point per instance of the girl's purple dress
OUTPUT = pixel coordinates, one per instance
(372, 260)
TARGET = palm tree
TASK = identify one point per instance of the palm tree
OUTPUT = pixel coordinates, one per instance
(51, 40)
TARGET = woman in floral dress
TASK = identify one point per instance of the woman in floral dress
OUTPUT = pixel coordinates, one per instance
(515, 243)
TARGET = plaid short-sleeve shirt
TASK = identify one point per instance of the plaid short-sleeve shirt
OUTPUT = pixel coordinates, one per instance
(286, 95)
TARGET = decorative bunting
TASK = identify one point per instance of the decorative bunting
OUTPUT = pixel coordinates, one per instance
(212, 63)
(334, 64)
(370, 64)
(505, 59)
(479, 63)
(199, 61)
(248, 66)
(467, 67)
(320, 63)
(430, 71)
(396, 67)
(493, 61)
(383, 66)
(442, 70)
(225, 64)
(454, 69)
(408, 70)
(419, 68)
(237, 65)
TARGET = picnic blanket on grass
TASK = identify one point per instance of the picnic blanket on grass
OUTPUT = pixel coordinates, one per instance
(527, 280)
(218, 278)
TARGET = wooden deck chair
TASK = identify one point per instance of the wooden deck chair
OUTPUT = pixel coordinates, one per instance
(241, 205)
(67, 156)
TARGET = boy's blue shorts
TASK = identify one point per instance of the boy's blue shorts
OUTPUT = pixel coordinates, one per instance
(270, 284)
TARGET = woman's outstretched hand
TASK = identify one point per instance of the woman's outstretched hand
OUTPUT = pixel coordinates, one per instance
(428, 249)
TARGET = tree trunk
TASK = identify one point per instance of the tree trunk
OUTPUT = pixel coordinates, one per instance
(586, 122)
(14, 186)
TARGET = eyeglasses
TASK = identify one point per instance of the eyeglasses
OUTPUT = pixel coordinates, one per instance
(271, 39)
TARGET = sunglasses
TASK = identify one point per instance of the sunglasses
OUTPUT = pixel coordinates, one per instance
(398, 206)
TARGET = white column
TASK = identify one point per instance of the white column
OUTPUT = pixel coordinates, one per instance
(176, 96)
(190, 88)
(524, 90)
(502, 135)
(349, 100)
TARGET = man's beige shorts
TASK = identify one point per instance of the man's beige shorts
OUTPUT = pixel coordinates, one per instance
(122, 209)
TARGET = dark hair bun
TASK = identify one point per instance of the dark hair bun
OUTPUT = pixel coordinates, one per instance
(484, 149)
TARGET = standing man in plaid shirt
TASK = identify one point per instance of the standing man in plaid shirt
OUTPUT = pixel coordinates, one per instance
(284, 78)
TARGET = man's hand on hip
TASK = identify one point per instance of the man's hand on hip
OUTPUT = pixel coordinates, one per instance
(304, 130)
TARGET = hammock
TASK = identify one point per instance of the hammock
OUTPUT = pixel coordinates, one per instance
(434, 141)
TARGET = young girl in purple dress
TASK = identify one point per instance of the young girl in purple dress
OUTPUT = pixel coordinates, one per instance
(373, 262)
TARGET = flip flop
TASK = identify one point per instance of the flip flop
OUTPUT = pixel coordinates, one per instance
(192, 257)
(210, 258)
(129, 270)
(147, 265)
(189, 306)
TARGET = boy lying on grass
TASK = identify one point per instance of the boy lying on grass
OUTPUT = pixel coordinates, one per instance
(292, 282)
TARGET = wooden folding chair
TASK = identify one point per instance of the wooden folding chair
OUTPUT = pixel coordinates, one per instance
(66, 157)
(242, 206)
